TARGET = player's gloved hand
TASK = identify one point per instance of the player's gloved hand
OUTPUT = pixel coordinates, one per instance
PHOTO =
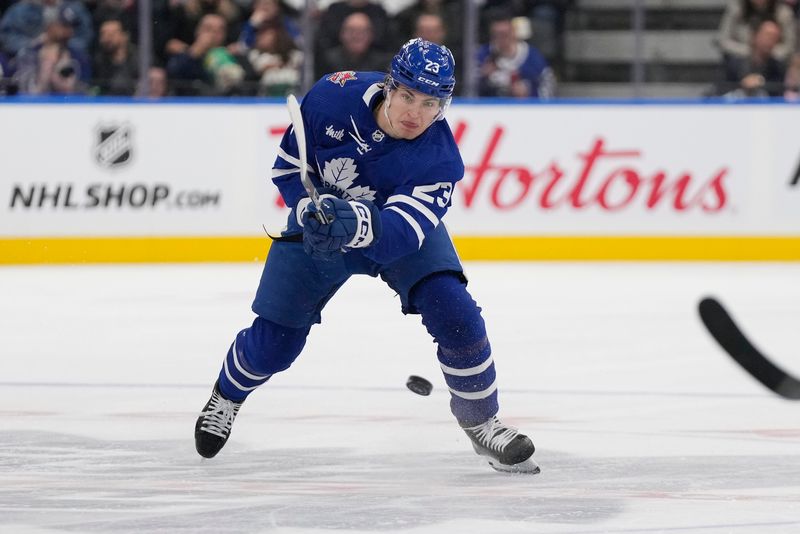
(351, 224)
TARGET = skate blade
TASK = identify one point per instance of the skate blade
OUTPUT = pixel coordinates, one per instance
(528, 467)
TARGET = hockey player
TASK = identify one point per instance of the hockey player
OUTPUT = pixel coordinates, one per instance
(385, 164)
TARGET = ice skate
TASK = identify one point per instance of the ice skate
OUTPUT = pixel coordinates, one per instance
(213, 427)
(503, 446)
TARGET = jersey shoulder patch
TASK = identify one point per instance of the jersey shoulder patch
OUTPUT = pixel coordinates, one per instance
(342, 77)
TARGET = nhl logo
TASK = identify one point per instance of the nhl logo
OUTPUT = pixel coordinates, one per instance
(377, 136)
(113, 145)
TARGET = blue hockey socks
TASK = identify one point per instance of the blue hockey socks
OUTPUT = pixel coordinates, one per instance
(256, 354)
(453, 318)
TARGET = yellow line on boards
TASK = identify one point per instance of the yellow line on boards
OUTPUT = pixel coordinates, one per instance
(502, 248)
(638, 248)
(132, 249)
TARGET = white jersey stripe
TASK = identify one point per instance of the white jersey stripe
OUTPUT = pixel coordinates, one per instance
(241, 369)
(411, 222)
(370, 92)
(416, 204)
(478, 369)
(277, 173)
(475, 395)
(293, 160)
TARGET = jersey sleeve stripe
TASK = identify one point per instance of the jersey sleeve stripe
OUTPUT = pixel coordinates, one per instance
(411, 222)
(277, 173)
(416, 204)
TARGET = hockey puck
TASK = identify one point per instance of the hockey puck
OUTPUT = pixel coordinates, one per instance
(419, 385)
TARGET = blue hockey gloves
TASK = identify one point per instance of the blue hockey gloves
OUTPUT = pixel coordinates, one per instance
(352, 224)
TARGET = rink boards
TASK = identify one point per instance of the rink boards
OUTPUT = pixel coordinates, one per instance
(116, 181)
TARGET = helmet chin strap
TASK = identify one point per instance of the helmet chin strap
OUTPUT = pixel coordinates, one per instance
(387, 101)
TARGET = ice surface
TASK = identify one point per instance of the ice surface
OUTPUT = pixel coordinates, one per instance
(642, 423)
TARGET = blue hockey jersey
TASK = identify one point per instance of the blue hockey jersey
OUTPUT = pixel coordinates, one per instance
(411, 181)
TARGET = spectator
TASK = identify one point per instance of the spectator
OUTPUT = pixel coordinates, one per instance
(426, 18)
(791, 83)
(547, 20)
(739, 24)
(186, 16)
(206, 66)
(50, 65)
(760, 74)
(158, 83)
(431, 28)
(510, 67)
(123, 10)
(127, 12)
(24, 21)
(356, 51)
(268, 11)
(275, 60)
(492, 9)
(116, 61)
(450, 11)
(330, 24)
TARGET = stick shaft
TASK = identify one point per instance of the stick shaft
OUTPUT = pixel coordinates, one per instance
(300, 136)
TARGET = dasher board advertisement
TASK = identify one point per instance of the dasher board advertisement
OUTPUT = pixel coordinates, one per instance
(202, 170)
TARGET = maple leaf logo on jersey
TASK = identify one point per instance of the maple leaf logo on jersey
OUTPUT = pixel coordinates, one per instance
(340, 173)
(342, 77)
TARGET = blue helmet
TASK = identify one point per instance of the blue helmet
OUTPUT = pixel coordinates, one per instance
(425, 67)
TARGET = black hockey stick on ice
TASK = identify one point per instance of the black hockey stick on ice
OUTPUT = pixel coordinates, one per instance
(721, 326)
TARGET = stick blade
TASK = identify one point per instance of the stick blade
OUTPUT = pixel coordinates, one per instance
(725, 331)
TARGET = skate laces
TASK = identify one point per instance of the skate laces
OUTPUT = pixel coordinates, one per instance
(493, 434)
(218, 417)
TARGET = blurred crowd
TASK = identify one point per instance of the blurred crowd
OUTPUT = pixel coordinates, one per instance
(257, 48)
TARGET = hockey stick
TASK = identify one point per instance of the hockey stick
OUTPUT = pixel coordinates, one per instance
(722, 327)
(300, 137)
